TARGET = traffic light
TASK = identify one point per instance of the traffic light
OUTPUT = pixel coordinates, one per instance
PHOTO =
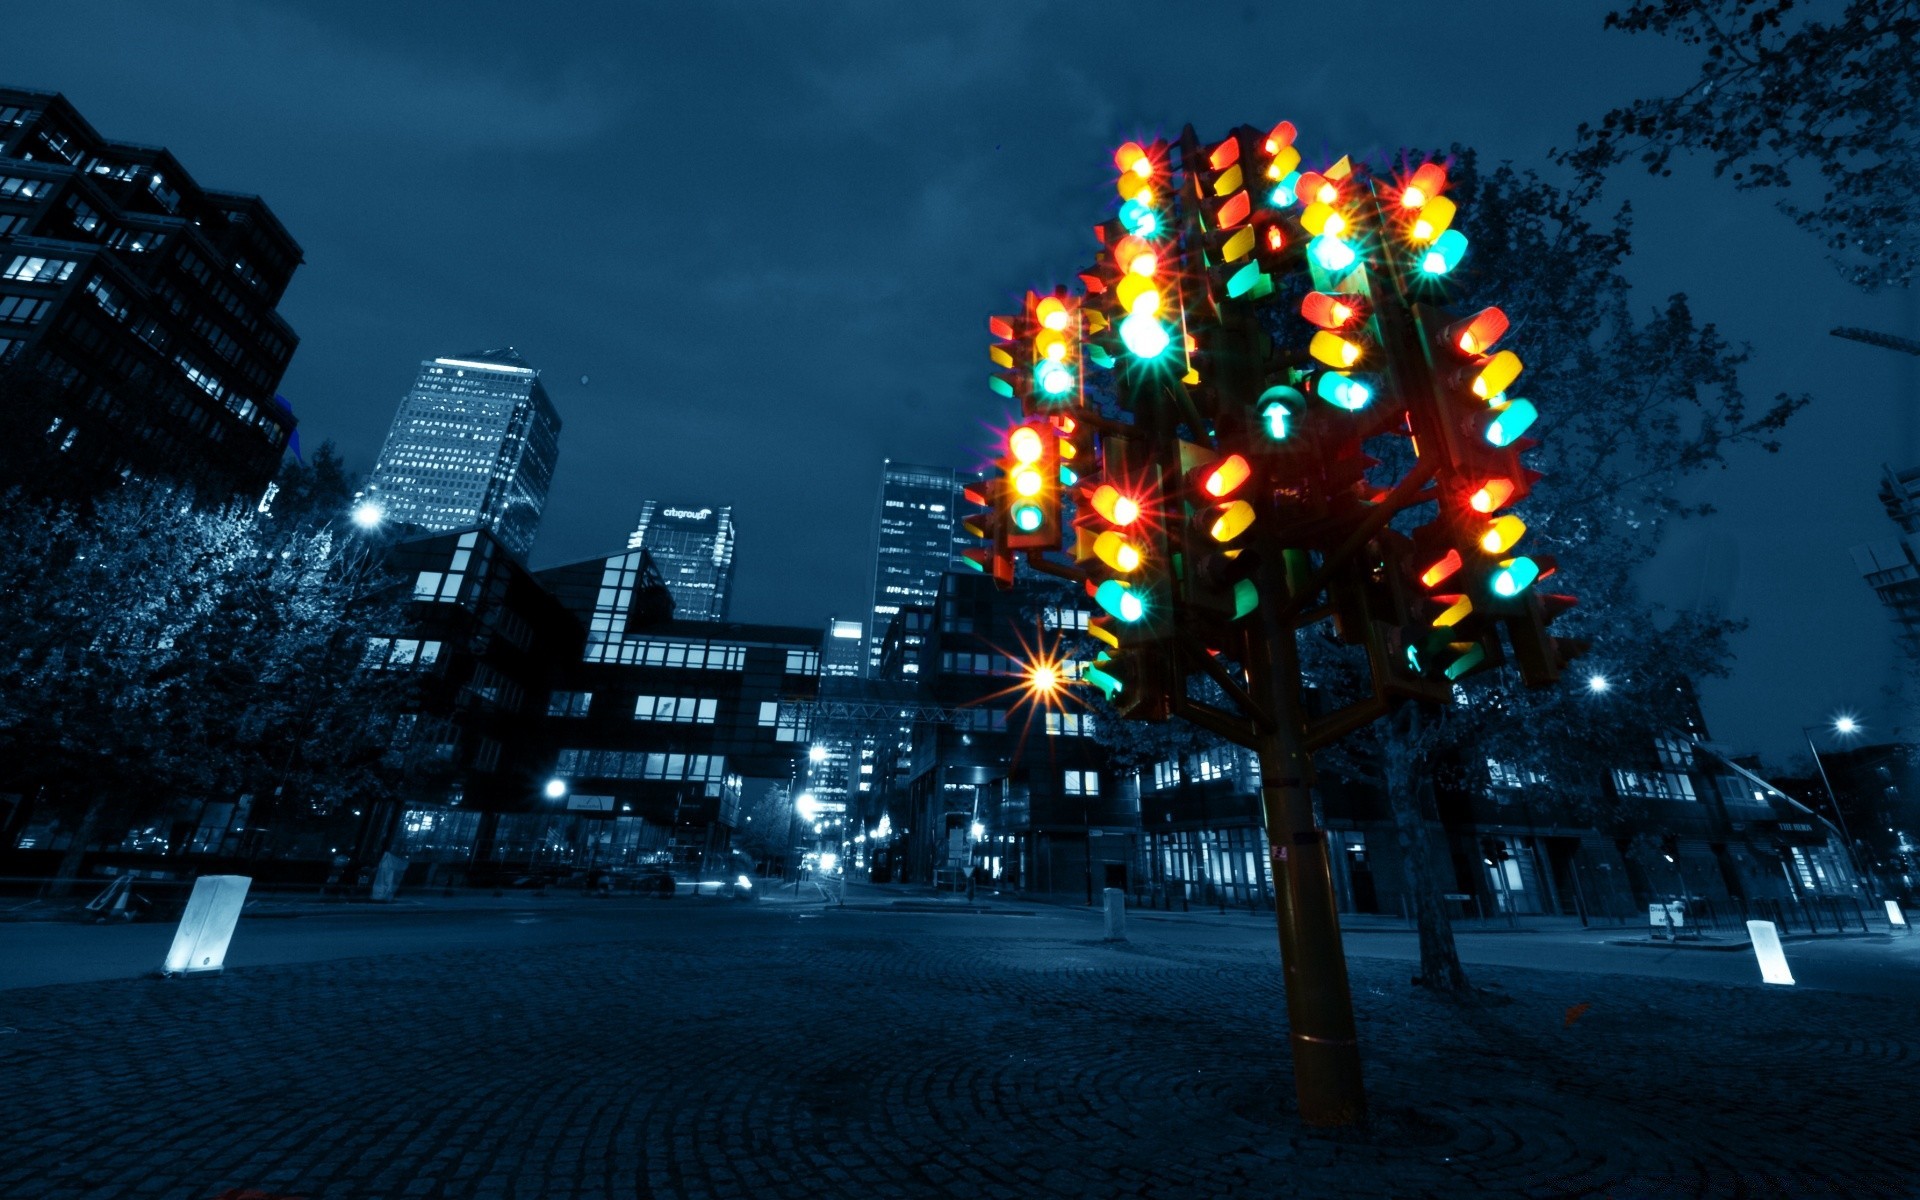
(1037, 355)
(1120, 542)
(1031, 497)
(989, 526)
(1216, 568)
(1226, 179)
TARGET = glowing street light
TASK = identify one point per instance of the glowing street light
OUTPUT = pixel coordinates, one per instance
(806, 806)
(1597, 683)
(1846, 725)
(556, 788)
(817, 754)
(367, 515)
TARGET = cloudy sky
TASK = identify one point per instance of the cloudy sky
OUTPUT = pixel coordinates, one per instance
(769, 235)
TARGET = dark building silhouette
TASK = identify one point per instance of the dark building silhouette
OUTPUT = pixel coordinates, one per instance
(144, 302)
(692, 546)
(663, 730)
(490, 643)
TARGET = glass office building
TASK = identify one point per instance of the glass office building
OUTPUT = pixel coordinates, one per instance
(474, 443)
(915, 541)
(692, 548)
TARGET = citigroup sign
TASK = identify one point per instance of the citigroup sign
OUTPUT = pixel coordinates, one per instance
(687, 514)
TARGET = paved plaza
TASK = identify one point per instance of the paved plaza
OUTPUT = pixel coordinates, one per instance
(797, 1051)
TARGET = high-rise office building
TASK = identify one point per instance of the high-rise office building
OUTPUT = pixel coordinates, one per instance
(915, 542)
(145, 301)
(474, 443)
(692, 547)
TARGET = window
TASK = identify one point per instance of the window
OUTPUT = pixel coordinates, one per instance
(1070, 724)
(22, 310)
(635, 764)
(569, 704)
(803, 662)
(682, 710)
(1166, 774)
(386, 653)
(1653, 785)
(14, 187)
(788, 721)
(1083, 783)
(28, 269)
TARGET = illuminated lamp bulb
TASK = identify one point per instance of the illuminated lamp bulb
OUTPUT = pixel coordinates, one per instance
(1224, 155)
(1139, 218)
(1027, 517)
(1135, 187)
(1028, 481)
(1436, 574)
(1445, 253)
(1498, 372)
(1052, 313)
(1227, 476)
(1284, 163)
(1056, 380)
(1332, 254)
(1436, 216)
(1470, 658)
(1130, 250)
(1232, 521)
(1128, 154)
(1285, 194)
(1120, 601)
(1025, 445)
(1333, 350)
(1492, 494)
(1116, 551)
(1501, 536)
(1315, 187)
(1478, 333)
(1515, 576)
(1511, 420)
(1276, 239)
(1277, 406)
(1137, 294)
(1327, 311)
(1321, 218)
(1427, 182)
(1051, 345)
(1068, 477)
(1459, 610)
(1115, 505)
(1144, 336)
(1344, 391)
(1280, 137)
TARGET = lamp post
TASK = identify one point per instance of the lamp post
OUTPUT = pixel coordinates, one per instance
(1845, 726)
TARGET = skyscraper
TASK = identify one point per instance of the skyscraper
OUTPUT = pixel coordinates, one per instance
(145, 302)
(913, 543)
(474, 443)
(693, 550)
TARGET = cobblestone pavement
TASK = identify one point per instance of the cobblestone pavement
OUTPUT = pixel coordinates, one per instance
(777, 1053)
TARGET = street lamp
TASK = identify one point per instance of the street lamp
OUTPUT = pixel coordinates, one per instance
(556, 788)
(1846, 726)
(1597, 683)
(367, 515)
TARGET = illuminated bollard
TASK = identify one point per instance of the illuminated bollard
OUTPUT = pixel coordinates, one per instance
(1895, 917)
(1766, 948)
(200, 944)
(1116, 901)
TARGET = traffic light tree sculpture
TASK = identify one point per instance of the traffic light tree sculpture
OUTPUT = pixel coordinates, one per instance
(1261, 329)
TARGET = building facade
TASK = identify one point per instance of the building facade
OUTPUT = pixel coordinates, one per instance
(142, 302)
(692, 547)
(916, 540)
(474, 443)
(666, 733)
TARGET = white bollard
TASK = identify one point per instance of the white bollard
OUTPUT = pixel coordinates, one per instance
(1116, 914)
(1894, 915)
(1766, 948)
(200, 944)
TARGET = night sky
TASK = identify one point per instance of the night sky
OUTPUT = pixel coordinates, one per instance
(770, 235)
